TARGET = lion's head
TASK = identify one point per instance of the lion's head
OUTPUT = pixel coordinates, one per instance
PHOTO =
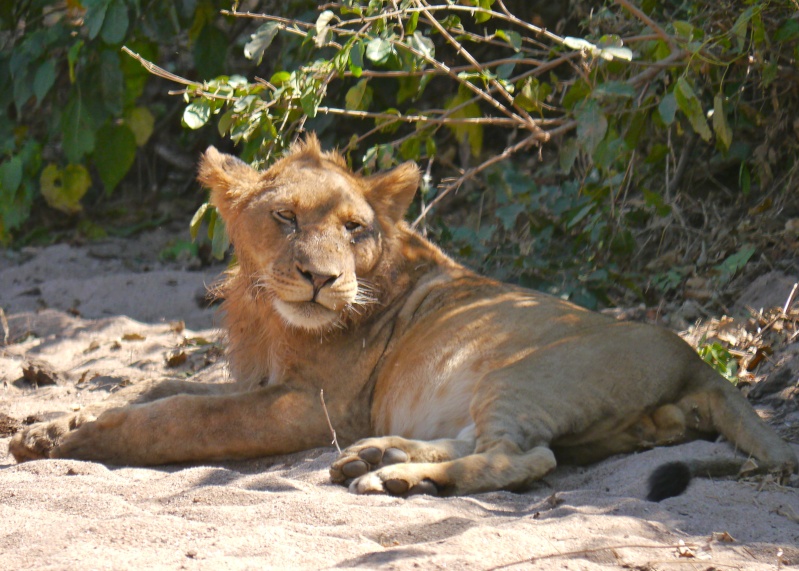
(308, 232)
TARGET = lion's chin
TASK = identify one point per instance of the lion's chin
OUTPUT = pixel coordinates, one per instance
(307, 315)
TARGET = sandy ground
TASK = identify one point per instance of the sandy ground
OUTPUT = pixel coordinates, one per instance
(101, 316)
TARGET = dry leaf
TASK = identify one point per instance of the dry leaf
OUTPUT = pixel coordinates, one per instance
(683, 550)
(175, 358)
(133, 337)
(723, 536)
(39, 373)
(93, 346)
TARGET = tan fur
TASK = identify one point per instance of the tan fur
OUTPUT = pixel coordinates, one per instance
(459, 384)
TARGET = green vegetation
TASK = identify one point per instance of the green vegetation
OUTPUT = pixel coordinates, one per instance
(588, 155)
(74, 112)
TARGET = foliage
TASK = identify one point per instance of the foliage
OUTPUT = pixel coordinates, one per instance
(718, 357)
(73, 109)
(565, 160)
(446, 84)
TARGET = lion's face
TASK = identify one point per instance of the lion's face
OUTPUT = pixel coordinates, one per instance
(308, 231)
(310, 237)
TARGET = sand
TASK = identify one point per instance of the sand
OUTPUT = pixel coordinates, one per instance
(101, 316)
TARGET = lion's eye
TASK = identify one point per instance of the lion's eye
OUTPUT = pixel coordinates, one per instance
(352, 226)
(285, 216)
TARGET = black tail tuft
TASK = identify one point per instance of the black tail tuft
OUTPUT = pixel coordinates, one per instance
(668, 480)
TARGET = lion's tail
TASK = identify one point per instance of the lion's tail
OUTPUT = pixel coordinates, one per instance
(714, 405)
(673, 478)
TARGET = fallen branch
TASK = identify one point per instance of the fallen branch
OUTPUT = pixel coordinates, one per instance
(327, 417)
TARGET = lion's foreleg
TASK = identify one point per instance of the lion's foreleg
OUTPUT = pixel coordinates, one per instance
(372, 454)
(183, 428)
(497, 468)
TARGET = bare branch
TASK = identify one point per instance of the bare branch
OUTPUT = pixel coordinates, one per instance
(159, 71)
(648, 22)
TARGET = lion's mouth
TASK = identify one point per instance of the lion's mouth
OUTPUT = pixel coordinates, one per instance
(310, 315)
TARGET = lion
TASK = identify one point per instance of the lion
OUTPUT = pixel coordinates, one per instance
(439, 380)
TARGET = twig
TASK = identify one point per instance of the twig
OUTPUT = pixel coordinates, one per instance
(524, 143)
(327, 417)
(421, 118)
(588, 551)
(159, 71)
(648, 22)
(785, 308)
(7, 331)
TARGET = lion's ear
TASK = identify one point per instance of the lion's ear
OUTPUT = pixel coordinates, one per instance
(390, 193)
(228, 177)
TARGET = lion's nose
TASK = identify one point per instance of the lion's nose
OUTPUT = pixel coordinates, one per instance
(318, 281)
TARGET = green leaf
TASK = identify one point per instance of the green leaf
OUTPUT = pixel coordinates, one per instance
(23, 90)
(44, 79)
(532, 94)
(378, 50)
(197, 220)
(63, 189)
(720, 125)
(734, 263)
(513, 38)
(411, 23)
(568, 154)
(423, 44)
(739, 28)
(72, 58)
(112, 81)
(225, 121)
(95, 16)
(508, 214)
(684, 30)
(260, 41)
(220, 241)
(480, 17)
(591, 125)
(309, 101)
(197, 113)
(356, 58)
(582, 213)
(359, 96)
(470, 132)
(744, 179)
(667, 108)
(210, 52)
(11, 175)
(280, 78)
(409, 149)
(689, 104)
(323, 28)
(115, 25)
(611, 89)
(76, 130)
(141, 122)
(789, 30)
(114, 154)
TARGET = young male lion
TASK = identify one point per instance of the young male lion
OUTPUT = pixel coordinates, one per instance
(461, 383)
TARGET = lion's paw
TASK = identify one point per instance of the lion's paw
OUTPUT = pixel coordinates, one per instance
(364, 457)
(401, 480)
(39, 440)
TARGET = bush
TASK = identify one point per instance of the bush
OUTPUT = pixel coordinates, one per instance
(619, 126)
(74, 110)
